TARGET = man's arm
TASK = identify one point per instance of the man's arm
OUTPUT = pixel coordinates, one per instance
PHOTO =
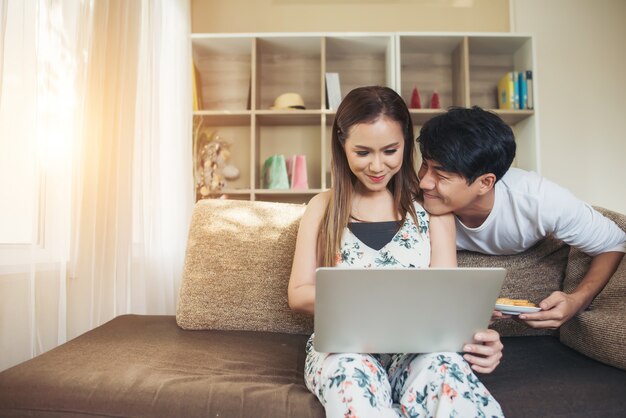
(581, 226)
(560, 307)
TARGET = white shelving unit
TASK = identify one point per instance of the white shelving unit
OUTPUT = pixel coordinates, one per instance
(242, 74)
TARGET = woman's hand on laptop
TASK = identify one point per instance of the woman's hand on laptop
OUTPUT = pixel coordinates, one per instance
(485, 352)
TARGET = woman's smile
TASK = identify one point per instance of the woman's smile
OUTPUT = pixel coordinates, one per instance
(376, 179)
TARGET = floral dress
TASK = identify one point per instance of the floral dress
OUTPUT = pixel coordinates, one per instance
(398, 385)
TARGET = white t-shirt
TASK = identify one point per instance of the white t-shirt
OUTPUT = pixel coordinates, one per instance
(528, 208)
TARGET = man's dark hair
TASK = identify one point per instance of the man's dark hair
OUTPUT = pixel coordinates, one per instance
(468, 141)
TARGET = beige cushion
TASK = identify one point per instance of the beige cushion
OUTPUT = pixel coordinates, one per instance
(533, 275)
(237, 267)
(600, 331)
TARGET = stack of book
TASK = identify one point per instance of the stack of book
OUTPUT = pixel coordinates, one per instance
(515, 90)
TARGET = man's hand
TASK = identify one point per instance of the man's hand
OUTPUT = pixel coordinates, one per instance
(497, 315)
(556, 309)
(560, 307)
(485, 353)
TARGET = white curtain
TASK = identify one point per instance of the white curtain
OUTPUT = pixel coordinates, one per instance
(106, 90)
(4, 4)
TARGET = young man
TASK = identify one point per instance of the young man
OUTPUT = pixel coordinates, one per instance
(467, 154)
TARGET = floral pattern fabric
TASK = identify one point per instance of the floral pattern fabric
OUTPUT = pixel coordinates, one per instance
(399, 385)
(410, 247)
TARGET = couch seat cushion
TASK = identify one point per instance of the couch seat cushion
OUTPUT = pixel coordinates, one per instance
(540, 377)
(146, 366)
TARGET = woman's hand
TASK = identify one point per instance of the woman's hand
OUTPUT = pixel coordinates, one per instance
(485, 353)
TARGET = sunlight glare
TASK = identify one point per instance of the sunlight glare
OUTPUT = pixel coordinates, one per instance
(56, 84)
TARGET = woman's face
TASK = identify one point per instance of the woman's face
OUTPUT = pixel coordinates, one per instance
(375, 152)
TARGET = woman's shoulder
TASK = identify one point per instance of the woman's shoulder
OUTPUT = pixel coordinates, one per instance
(320, 200)
(317, 205)
(419, 209)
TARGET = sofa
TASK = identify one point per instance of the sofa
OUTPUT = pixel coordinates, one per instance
(235, 349)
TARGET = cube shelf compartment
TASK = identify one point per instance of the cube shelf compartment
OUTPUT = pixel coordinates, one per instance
(241, 75)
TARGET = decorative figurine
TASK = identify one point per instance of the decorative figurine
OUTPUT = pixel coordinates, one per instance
(416, 101)
(212, 154)
(434, 101)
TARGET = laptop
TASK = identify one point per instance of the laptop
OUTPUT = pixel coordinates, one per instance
(405, 310)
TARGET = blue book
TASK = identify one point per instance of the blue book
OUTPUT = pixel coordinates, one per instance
(529, 89)
(523, 90)
(515, 100)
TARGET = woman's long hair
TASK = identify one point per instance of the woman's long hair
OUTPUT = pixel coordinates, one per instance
(364, 105)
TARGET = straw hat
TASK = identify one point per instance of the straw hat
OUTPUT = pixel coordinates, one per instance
(288, 101)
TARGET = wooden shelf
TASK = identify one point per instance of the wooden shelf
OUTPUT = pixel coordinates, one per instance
(513, 117)
(293, 117)
(420, 116)
(288, 191)
(224, 117)
(242, 74)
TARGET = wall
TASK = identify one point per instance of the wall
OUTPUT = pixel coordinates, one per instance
(349, 15)
(581, 59)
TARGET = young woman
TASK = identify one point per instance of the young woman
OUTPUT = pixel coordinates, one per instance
(370, 218)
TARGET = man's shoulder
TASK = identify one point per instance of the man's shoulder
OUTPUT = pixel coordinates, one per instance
(519, 183)
(529, 184)
(516, 178)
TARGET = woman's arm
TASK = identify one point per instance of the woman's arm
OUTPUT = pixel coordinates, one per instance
(485, 352)
(442, 241)
(301, 290)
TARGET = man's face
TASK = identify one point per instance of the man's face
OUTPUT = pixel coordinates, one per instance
(444, 191)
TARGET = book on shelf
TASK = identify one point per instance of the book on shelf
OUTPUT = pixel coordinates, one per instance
(529, 90)
(196, 87)
(333, 91)
(515, 101)
(523, 90)
(515, 90)
(506, 91)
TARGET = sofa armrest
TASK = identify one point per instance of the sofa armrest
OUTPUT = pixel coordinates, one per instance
(600, 331)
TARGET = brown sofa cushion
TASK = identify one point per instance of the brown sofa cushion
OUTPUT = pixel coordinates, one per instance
(600, 331)
(237, 267)
(146, 366)
(540, 377)
(533, 275)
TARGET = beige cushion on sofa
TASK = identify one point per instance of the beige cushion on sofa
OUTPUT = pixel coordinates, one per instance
(600, 331)
(237, 267)
(533, 275)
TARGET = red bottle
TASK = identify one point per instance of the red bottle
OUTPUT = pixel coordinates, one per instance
(416, 101)
(434, 101)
